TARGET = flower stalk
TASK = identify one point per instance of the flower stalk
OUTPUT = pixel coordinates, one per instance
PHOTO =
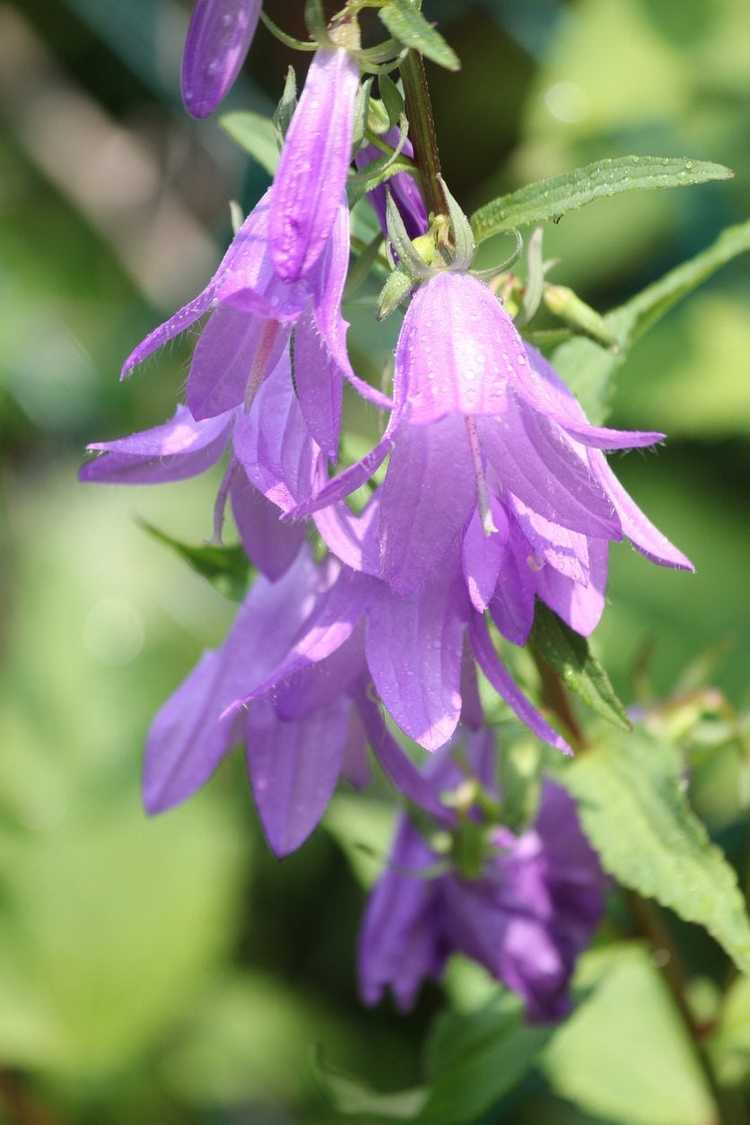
(422, 131)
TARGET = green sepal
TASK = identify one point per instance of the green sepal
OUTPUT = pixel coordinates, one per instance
(284, 111)
(396, 289)
(392, 99)
(407, 24)
(552, 198)
(227, 568)
(568, 653)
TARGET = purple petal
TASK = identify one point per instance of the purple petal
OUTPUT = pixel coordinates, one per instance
(403, 187)
(179, 449)
(428, 494)
(311, 176)
(482, 555)
(496, 673)
(270, 544)
(635, 525)
(352, 478)
(472, 712)
(294, 768)
(599, 437)
(449, 352)
(355, 765)
(175, 326)
(580, 605)
(319, 684)
(534, 459)
(352, 538)
(218, 40)
(319, 385)
(233, 356)
(273, 444)
(564, 550)
(414, 654)
(512, 605)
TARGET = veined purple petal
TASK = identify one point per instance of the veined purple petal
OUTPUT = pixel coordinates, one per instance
(175, 326)
(497, 674)
(565, 550)
(311, 176)
(449, 353)
(512, 604)
(580, 605)
(352, 538)
(352, 478)
(178, 449)
(403, 187)
(534, 459)
(319, 385)
(635, 525)
(294, 768)
(429, 491)
(217, 42)
(413, 650)
(269, 543)
(355, 765)
(273, 444)
(319, 684)
(482, 554)
(234, 354)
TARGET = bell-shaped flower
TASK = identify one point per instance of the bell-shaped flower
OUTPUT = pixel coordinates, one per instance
(526, 915)
(310, 180)
(403, 187)
(489, 448)
(218, 39)
(274, 464)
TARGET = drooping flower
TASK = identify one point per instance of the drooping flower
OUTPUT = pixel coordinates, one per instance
(311, 177)
(489, 448)
(525, 916)
(218, 39)
(297, 648)
(274, 465)
(403, 187)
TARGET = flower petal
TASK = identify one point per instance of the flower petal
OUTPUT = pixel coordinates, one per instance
(512, 604)
(413, 650)
(294, 768)
(355, 766)
(218, 39)
(178, 449)
(482, 555)
(271, 544)
(319, 385)
(497, 674)
(403, 187)
(580, 605)
(311, 176)
(235, 352)
(565, 550)
(175, 326)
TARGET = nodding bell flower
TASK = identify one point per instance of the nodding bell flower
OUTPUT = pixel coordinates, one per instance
(526, 914)
(218, 39)
(310, 180)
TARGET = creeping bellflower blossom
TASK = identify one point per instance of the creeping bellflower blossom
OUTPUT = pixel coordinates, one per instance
(311, 177)
(252, 315)
(526, 916)
(296, 648)
(274, 465)
(489, 448)
(218, 39)
(403, 187)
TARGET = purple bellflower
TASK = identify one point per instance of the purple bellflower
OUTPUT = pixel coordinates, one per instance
(403, 187)
(525, 916)
(310, 180)
(218, 39)
(296, 648)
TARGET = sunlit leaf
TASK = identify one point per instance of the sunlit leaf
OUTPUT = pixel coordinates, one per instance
(407, 24)
(256, 134)
(226, 568)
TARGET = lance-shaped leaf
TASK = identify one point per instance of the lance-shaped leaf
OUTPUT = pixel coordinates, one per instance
(407, 24)
(568, 653)
(227, 568)
(588, 368)
(633, 806)
(551, 198)
(255, 134)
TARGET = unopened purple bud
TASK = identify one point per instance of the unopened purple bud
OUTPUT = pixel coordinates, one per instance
(217, 42)
(403, 187)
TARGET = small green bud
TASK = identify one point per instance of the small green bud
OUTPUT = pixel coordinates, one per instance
(568, 306)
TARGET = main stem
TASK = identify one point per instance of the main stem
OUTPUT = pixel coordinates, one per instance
(422, 131)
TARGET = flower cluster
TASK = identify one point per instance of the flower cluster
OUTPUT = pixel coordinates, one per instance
(497, 493)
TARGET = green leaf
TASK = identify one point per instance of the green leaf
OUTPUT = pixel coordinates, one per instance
(588, 368)
(284, 112)
(407, 24)
(568, 653)
(354, 1099)
(392, 99)
(256, 134)
(226, 568)
(550, 199)
(633, 807)
(473, 1060)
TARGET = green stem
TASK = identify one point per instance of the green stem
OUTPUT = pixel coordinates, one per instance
(422, 131)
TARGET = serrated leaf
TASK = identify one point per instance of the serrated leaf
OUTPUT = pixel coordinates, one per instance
(633, 808)
(407, 24)
(226, 568)
(588, 368)
(552, 198)
(473, 1060)
(255, 134)
(568, 653)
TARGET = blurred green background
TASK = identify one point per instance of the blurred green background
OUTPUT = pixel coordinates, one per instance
(170, 970)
